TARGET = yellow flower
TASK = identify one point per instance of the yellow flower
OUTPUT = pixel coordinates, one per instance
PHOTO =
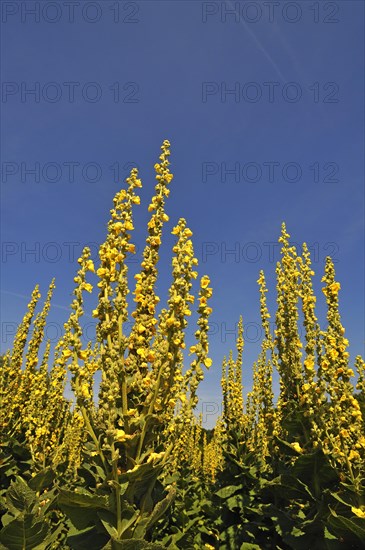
(117, 227)
(122, 436)
(90, 266)
(359, 512)
(354, 455)
(296, 447)
(85, 391)
(205, 281)
(309, 363)
(335, 287)
(208, 362)
(88, 287)
(83, 354)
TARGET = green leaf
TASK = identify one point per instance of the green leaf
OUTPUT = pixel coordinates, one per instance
(288, 487)
(82, 498)
(135, 544)
(161, 508)
(42, 479)
(88, 539)
(344, 526)
(108, 519)
(228, 491)
(249, 546)
(24, 532)
(286, 447)
(80, 517)
(19, 497)
(314, 470)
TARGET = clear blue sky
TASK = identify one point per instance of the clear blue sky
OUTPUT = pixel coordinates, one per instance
(274, 92)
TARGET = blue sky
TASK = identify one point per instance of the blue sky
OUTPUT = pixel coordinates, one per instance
(273, 92)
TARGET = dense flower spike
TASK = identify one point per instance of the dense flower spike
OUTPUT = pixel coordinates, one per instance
(287, 339)
(232, 387)
(260, 401)
(342, 438)
(11, 373)
(312, 391)
(170, 341)
(195, 374)
(145, 297)
(112, 307)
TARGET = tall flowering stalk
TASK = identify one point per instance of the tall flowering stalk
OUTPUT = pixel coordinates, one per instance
(195, 374)
(12, 402)
(342, 438)
(144, 327)
(287, 339)
(170, 340)
(232, 387)
(313, 391)
(261, 410)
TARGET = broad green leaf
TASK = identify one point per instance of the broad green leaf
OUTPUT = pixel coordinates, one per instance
(108, 519)
(80, 517)
(83, 498)
(42, 479)
(315, 471)
(88, 539)
(228, 491)
(161, 508)
(343, 525)
(24, 532)
(135, 544)
(20, 497)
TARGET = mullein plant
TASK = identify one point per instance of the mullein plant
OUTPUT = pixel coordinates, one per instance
(287, 341)
(32, 400)
(232, 388)
(142, 380)
(260, 410)
(342, 436)
(123, 453)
